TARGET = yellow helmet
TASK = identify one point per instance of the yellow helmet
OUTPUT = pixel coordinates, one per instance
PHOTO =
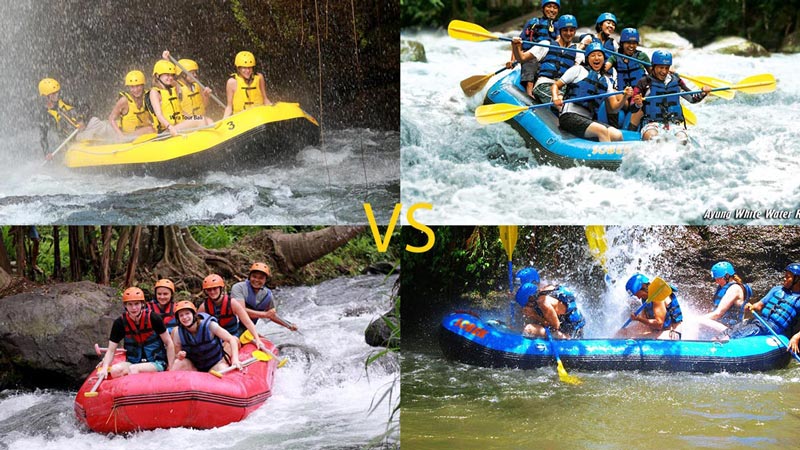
(134, 78)
(163, 66)
(188, 64)
(245, 59)
(48, 86)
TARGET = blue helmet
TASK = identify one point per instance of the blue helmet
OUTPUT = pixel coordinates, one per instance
(635, 283)
(662, 58)
(528, 275)
(793, 268)
(546, 2)
(722, 269)
(594, 47)
(606, 16)
(629, 35)
(525, 292)
(567, 21)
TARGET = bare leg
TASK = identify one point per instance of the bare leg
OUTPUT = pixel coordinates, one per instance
(597, 130)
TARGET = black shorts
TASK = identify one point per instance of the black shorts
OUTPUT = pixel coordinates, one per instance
(528, 70)
(574, 123)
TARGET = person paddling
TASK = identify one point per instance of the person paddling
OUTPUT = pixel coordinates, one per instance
(587, 80)
(60, 118)
(163, 304)
(537, 29)
(628, 70)
(164, 100)
(663, 115)
(245, 88)
(553, 62)
(194, 98)
(130, 116)
(658, 319)
(550, 306)
(148, 346)
(257, 297)
(199, 342)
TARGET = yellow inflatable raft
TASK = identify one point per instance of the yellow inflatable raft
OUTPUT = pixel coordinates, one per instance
(251, 138)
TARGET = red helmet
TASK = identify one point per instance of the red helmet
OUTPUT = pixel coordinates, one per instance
(165, 283)
(212, 281)
(260, 267)
(133, 294)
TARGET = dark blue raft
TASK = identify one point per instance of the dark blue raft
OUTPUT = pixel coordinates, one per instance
(467, 338)
(548, 143)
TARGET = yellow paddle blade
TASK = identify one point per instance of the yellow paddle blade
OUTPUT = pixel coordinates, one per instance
(474, 84)
(144, 138)
(714, 83)
(565, 377)
(596, 237)
(282, 362)
(689, 116)
(261, 356)
(756, 84)
(498, 112)
(467, 31)
(508, 235)
(658, 291)
(246, 337)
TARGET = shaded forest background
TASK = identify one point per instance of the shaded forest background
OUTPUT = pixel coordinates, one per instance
(772, 24)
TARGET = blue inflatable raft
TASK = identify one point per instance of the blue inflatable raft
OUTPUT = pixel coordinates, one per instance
(551, 145)
(467, 338)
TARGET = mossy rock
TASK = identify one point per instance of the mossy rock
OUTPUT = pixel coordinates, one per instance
(412, 51)
(738, 46)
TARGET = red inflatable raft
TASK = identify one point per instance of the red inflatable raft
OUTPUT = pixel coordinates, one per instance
(148, 401)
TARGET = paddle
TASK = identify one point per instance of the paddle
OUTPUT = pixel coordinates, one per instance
(756, 84)
(69, 138)
(657, 292)
(475, 83)
(286, 324)
(764, 322)
(193, 78)
(93, 392)
(100, 350)
(714, 83)
(467, 31)
(562, 372)
(258, 355)
(247, 337)
(500, 112)
(508, 235)
(596, 238)
(688, 116)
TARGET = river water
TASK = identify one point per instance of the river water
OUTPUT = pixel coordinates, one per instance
(321, 399)
(473, 174)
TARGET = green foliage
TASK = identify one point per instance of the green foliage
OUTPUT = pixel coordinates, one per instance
(218, 236)
(353, 257)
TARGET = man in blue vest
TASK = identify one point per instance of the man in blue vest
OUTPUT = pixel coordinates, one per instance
(780, 308)
(257, 297)
(535, 30)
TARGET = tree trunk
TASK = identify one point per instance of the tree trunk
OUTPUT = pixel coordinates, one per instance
(5, 279)
(5, 263)
(130, 274)
(94, 257)
(184, 259)
(19, 245)
(293, 251)
(74, 253)
(119, 254)
(105, 259)
(57, 275)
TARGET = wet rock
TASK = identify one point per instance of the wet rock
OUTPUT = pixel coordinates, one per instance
(652, 38)
(382, 267)
(791, 43)
(48, 335)
(736, 46)
(412, 51)
(379, 333)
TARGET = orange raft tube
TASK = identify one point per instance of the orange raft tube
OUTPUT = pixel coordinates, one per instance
(148, 401)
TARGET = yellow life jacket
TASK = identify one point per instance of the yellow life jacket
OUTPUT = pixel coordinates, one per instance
(191, 99)
(247, 95)
(136, 117)
(62, 111)
(170, 107)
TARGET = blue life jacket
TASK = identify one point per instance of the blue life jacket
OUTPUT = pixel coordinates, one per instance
(556, 62)
(674, 314)
(224, 313)
(572, 321)
(203, 349)
(538, 29)
(250, 301)
(593, 84)
(780, 309)
(734, 314)
(167, 314)
(141, 341)
(629, 71)
(664, 110)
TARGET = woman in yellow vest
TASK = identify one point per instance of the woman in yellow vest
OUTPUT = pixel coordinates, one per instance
(165, 101)
(130, 117)
(193, 98)
(246, 88)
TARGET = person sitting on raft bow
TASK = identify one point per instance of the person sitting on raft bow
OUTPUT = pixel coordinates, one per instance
(245, 88)
(657, 320)
(662, 115)
(553, 62)
(587, 80)
(257, 297)
(538, 29)
(149, 346)
(553, 307)
(780, 308)
(130, 116)
(198, 342)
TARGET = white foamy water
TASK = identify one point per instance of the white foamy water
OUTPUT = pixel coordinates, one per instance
(473, 174)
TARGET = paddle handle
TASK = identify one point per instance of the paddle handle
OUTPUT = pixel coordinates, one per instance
(69, 138)
(193, 78)
(576, 50)
(504, 68)
(724, 88)
(639, 310)
(222, 372)
(579, 99)
(93, 391)
(100, 350)
(764, 322)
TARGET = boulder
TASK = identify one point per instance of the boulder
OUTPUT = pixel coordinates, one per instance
(379, 334)
(412, 51)
(791, 43)
(48, 335)
(652, 38)
(738, 46)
